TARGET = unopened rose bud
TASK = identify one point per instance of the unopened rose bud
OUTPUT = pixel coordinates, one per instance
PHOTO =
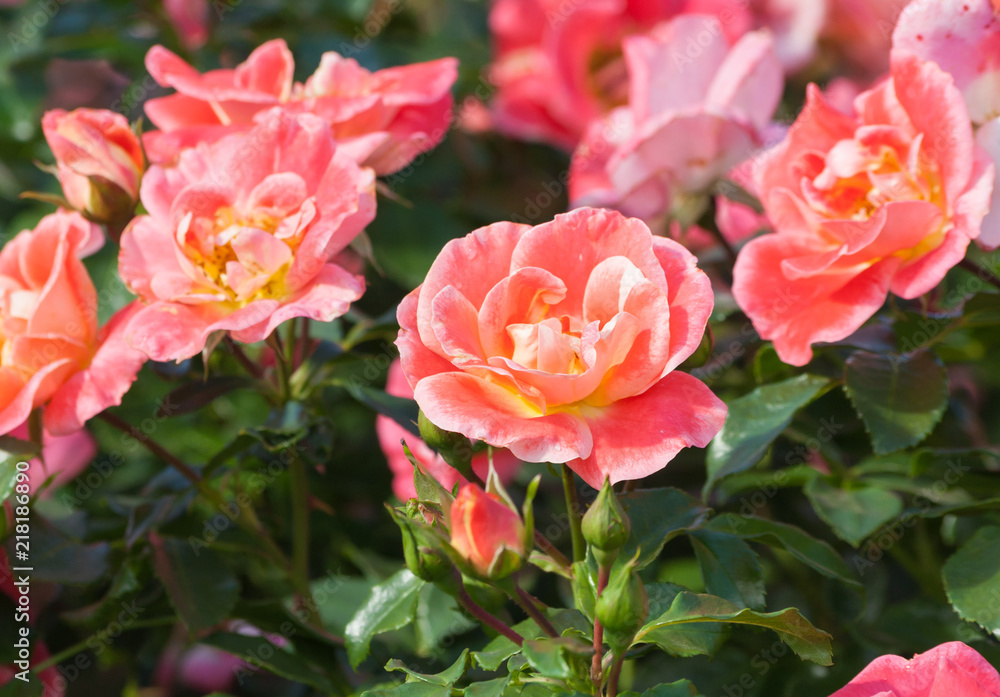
(606, 525)
(622, 607)
(99, 161)
(422, 560)
(487, 533)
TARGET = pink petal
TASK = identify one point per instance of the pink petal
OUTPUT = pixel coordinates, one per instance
(750, 81)
(636, 437)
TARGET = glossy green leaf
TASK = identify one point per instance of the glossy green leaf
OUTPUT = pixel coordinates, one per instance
(972, 579)
(815, 553)
(201, 587)
(730, 568)
(802, 637)
(446, 678)
(681, 688)
(685, 640)
(900, 398)
(754, 421)
(657, 516)
(855, 513)
(554, 658)
(390, 605)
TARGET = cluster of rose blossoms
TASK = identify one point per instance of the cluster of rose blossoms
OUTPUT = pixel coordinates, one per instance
(556, 343)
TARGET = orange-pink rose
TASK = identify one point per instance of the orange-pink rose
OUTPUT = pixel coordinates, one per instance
(483, 528)
(391, 435)
(949, 670)
(53, 351)
(383, 119)
(558, 63)
(243, 234)
(560, 342)
(99, 161)
(885, 199)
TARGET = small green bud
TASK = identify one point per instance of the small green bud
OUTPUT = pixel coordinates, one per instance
(605, 525)
(454, 448)
(424, 562)
(622, 607)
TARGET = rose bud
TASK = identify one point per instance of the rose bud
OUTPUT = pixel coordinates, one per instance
(622, 607)
(99, 161)
(487, 533)
(606, 526)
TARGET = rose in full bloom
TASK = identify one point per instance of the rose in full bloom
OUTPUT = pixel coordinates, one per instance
(99, 161)
(53, 351)
(688, 120)
(190, 21)
(206, 107)
(560, 342)
(391, 435)
(383, 119)
(963, 38)
(949, 669)
(63, 457)
(558, 65)
(486, 532)
(242, 234)
(882, 200)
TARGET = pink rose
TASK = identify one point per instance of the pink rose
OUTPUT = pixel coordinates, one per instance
(390, 435)
(949, 669)
(64, 457)
(691, 117)
(963, 38)
(559, 65)
(382, 119)
(53, 351)
(99, 161)
(882, 200)
(190, 20)
(796, 26)
(484, 530)
(560, 341)
(386, 118)
(208, 106)
(241, 236)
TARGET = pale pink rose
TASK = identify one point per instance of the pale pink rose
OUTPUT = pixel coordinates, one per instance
(190, 20)
(391, 435)
(796, 26)
(63, 456)
(560, 342)
(241, 236)
(99, 161)
(208, 106)
(53, 351)
(382, 119)
(988, 138)
(690, 118)
(951, 669)
(386, 118)
(558, 64)
(882, 200)
(963, 38)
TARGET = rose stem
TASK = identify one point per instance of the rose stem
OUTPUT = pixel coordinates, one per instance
(574, 513)
(596, 668)
(527, 603)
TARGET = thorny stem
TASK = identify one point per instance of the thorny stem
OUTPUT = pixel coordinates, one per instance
(529, 604)
(596, 669)
(483, 616)
(616, 672)
(240, 355)
(984, 274)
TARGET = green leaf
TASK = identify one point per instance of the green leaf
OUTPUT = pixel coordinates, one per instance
(446, 678)
(657, 516)
(410, 689)
(19, 688)
(803, 638)
(900, 398)
(681, 688)
(195, 395)
(390, 605)
(201, 587)
(730, 568)
(57, 558)
(754, 421)
(682, 640)
(490, 688)
(972, 579)
(552, 658)
(8, 478)
(501, 648)
(258, 651)
(816, 554)
(853, 513)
